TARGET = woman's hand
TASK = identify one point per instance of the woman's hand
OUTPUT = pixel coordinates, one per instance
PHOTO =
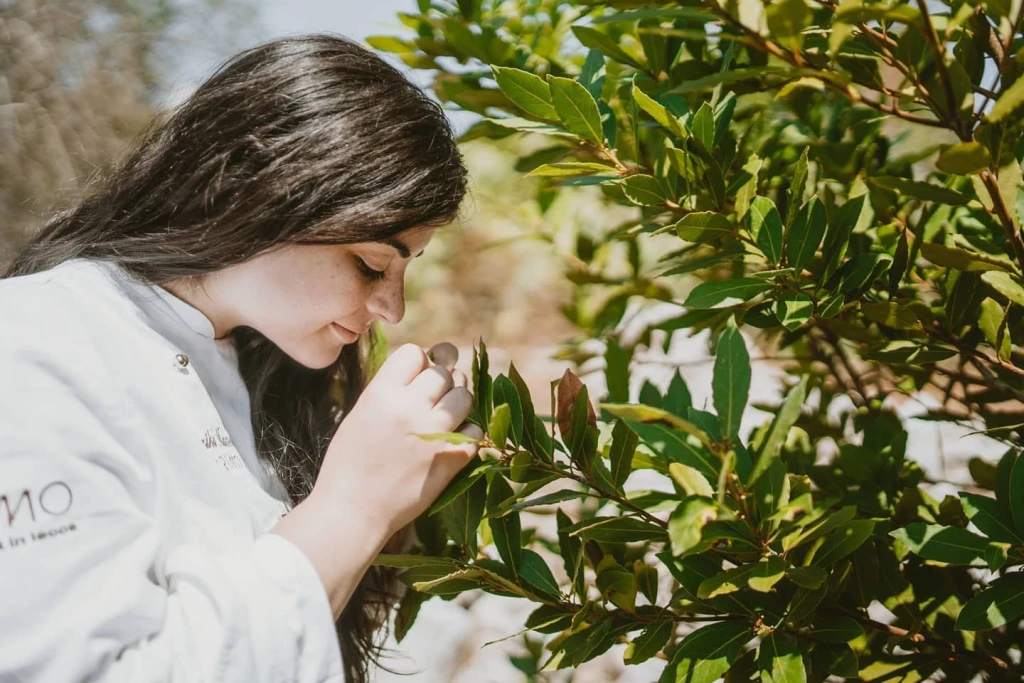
(376, 477)
(376, 463)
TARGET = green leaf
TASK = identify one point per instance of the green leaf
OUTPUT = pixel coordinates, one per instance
(648, 414)
(571, 550)
(528, 126)
(843, 541)
(964, 158)
(1009, 101)
(724, 583)
(728, 77)
(703, 226)
(403, 561)
(677, 399)
(1016, 493)
(616, 583)
(952, 545)
(506, 530)
(593, 73)
(921, 190)
(576, 108)
(839, 660)
(786, 22)
(536, 572)
(703, 126)
(659, 113)
(765, 573)
(617, 530)
(460, 483)
(595, 39)
(766, 228)
(1001, 602)
(991, 323)
(962, 259)
(805, 234)
(1005, 284)
(1004, 469)
(785, 418)
(501, 419)
(662, 13)
(527, 91)
(390, 44)
(650, 642)
(725, 293)
(690, 481)
(584, 644)
(895, 314)
(547, 499)
(646, 580)
(705, 654)
(643, 190)
(674, 446)
(533, 438)
(797, 185)
(781, 659)
(837, 238)
(771, 490)
(807, 577)
(986, 514)
(731, 381)
(405, 615)
(571, 169)
(624, 444)
(860, 271)
(450, 437)
(793, 309)
(463, 516)
(687, 521)
(820, 526)
(837, 629)
(504, 391)
(617, 372)
(746, 192)
(452, 584)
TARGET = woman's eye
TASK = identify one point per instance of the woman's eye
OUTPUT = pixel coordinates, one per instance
(368, 271)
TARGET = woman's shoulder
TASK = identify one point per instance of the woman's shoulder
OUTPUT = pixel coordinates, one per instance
(72, 313)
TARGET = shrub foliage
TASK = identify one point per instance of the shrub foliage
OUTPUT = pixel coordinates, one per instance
(839, 183)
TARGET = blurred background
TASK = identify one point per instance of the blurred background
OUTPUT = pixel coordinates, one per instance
(79, 78)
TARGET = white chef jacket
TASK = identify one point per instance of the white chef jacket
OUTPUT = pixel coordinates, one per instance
(133, 507)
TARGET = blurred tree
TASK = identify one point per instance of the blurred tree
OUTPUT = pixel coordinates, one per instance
(79, 79)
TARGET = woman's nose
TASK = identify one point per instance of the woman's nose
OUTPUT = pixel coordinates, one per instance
(388, 304)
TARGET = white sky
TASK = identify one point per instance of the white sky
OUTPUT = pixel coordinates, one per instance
(354, 19)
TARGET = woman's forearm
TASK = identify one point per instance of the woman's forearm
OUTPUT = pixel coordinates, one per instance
(340, 541)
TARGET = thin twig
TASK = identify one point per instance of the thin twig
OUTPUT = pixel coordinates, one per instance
(952, 116)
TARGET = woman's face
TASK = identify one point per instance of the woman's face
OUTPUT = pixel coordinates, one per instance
(311, 300)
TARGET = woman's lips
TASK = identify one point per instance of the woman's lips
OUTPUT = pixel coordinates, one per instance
(347, 335)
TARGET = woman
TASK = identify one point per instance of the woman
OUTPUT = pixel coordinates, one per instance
(177, 350)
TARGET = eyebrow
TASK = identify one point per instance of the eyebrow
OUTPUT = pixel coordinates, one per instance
(403, 250)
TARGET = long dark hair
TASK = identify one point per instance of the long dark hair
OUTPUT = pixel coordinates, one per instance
(304, 139)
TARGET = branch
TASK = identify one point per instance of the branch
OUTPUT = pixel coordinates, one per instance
(1003, 214)
(606, 494)
(953, 118)
(923, 640)
(885, 44)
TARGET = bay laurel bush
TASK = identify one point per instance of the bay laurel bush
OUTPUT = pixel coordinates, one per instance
(841, 184)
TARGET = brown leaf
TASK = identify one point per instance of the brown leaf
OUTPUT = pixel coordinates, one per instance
(568, 388)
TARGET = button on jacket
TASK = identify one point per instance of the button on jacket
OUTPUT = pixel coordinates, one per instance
(134, 511)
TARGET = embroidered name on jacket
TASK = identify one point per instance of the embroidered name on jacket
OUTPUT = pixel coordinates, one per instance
(24, 512)
(218, 440)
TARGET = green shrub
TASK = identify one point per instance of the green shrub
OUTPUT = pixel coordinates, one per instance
(842, 182)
